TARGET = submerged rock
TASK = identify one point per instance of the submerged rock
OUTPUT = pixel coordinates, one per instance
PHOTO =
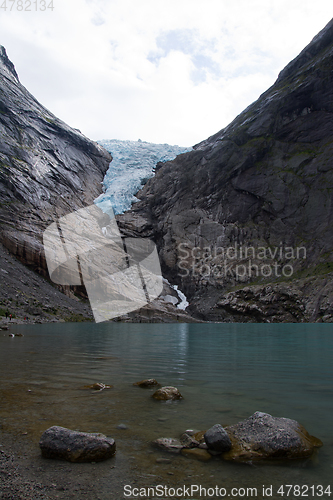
(98, 386)
(167, 393)
(163, 461)
(262, 436)
(199, 436)
(150, 382)
(65, 444)
(122, 427)
(196, 453)
(188, 440)
(169, 444)
(217, 439)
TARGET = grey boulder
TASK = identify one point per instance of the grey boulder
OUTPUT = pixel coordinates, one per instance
(262, 436)
(65, 444)
(217, 439)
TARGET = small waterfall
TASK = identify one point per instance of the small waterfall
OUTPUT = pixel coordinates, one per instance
(183, 300)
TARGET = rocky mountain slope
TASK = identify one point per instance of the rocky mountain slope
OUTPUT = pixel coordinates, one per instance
(47, 169)
(244, 223)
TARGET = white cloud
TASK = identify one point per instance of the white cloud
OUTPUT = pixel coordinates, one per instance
(171, 71)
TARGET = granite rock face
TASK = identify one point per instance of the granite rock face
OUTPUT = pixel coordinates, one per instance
(47, 169)
(251, 206)
(73, 446)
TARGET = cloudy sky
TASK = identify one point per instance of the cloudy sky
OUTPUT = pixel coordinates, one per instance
(165, 71)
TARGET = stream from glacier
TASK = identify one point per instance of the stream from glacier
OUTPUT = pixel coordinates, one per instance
(225, 372)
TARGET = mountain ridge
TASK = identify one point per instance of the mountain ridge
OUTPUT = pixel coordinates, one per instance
(7, 62)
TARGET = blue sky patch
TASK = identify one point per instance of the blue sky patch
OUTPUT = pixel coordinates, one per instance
(188, 42)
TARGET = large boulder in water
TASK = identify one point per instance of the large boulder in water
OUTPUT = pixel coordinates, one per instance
(262, 436)
(65, 444)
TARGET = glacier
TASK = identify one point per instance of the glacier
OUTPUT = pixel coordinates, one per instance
(132, 165)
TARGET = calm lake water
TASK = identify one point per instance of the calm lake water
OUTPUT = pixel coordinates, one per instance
(225, 372)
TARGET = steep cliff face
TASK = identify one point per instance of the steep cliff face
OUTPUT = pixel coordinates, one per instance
(252, 205)
(47, 169)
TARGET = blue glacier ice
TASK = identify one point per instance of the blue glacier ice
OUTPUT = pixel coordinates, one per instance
(132, 165)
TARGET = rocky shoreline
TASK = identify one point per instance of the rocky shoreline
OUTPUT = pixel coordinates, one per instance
(259, 437)
(26, 475)
(71, 464)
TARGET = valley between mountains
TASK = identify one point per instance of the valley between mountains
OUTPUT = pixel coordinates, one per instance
(242, 223)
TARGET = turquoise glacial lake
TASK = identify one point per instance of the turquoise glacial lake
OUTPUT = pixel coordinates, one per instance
(225, 372)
